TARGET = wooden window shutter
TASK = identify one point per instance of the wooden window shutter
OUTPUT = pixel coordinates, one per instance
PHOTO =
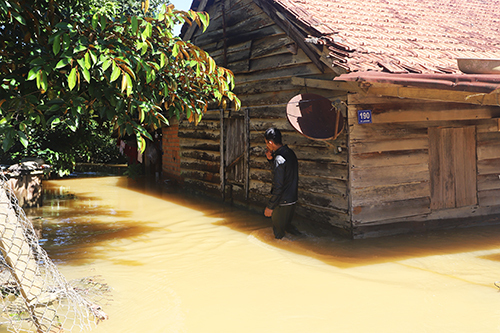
(235, 149)
(452, 166)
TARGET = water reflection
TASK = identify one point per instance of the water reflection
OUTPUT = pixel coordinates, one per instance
(71, 228)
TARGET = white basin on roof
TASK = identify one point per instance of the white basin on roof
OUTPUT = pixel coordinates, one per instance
(479, 66)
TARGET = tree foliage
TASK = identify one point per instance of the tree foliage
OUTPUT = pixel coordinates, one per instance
(62, 66)
(125, 7)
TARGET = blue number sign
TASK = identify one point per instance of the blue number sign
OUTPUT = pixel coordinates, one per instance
(364, 116)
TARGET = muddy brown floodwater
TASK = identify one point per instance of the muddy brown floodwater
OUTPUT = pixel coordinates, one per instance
(183, 264)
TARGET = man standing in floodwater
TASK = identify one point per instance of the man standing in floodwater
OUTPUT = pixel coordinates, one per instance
(284, 193)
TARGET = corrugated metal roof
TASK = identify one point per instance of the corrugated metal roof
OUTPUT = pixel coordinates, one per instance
(401, 35)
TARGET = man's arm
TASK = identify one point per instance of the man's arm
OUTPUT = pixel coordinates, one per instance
(278, 181)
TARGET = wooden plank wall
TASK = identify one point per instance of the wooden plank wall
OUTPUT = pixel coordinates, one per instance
(389, 160)
(264, 59)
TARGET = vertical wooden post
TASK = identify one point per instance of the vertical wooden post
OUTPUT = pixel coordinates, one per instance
(350, 113)
(247, 153)
(222, 171)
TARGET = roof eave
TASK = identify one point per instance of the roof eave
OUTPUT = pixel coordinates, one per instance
(479, 89)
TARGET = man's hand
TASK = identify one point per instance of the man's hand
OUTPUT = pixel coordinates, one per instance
(268, 212)
(269, 154)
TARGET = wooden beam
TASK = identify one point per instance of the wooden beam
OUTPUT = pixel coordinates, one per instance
(291, 31)
(321, 84)
(193, 26)
(443, 95)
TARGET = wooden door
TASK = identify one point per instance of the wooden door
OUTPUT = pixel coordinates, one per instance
(452, 166)
(235, 149)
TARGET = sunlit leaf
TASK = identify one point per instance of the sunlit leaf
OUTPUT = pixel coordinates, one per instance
(205, 19)
(163, 60)
(148, 43)
(32, 73)
(122, 60)
(124, 82)
(170, 22)
(185, 53)
(81, 62)
(93, 56)
(130, 86)
(78, 78)
(155, 65)
(141, 115)
(148, 30)
(143, 47)
(72, 124)
(105, 64)
(44, 82)
(175, 50)
(212, 65)
(72, 78)
(116, 73)
(23, 138)
(86, 74)
(141, 144)
(38, 78)
(237, 103)
(129, 71)
(87, 60)
(95, 20)
(63, 62)
(18, 17)
(56, 47)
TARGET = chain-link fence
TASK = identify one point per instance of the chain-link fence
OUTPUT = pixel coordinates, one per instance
(35, 296)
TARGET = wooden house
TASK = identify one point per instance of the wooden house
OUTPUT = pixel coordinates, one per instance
(420, 144)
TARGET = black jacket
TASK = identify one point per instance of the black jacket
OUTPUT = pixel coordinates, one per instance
(285, 177)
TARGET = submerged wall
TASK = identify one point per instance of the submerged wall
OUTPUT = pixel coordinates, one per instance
(422, 165)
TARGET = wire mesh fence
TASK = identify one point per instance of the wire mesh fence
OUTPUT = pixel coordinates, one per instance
(35, 296)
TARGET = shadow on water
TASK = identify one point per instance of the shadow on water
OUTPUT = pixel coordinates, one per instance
(335, 251)
(71, 228)
(73, 232)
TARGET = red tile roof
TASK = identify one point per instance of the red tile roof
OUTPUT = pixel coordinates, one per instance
(400, 36)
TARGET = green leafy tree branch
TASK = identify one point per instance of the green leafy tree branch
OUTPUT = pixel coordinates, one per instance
(61, 66)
